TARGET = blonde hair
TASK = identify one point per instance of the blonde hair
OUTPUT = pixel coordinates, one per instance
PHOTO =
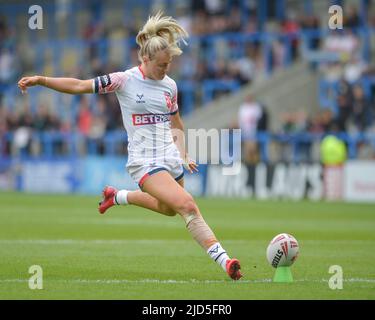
(160, 33)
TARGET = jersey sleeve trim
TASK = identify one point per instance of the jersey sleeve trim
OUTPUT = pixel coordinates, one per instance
(96, 85)
(109, 82)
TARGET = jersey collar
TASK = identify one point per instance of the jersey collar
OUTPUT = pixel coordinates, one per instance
(141, 71)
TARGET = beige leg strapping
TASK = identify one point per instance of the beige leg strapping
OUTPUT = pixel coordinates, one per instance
(200, 231)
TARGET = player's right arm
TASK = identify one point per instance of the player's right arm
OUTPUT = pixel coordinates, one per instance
(102, 84)
(65, 85)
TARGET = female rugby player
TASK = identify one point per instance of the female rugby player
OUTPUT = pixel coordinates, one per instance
(148, 100)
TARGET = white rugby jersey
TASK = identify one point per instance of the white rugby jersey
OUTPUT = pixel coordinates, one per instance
(146, 107)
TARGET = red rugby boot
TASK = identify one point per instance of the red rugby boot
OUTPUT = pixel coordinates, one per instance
(108, 199)
(233, 269)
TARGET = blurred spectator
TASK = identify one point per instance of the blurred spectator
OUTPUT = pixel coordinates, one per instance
(23, 125)
(320, 122)
(4, 143)
(247, 65)
(290, 27)
(354, 69)
(310, 23)
(43, 120)
(234, 23)
(99, 127)
(184, 18)
(344, 104)
(344, 111)
(92, 34)
(249, 114)
(7, 66)
(361, 109)
(278, 54)
(214, 7)
(344, 89)
(351, 17)
(84, 120)
(294, 122)
(262, 125)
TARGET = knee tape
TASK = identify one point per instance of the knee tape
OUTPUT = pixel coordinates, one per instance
(200, 231)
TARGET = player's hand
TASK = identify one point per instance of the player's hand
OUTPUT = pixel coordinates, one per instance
(26, 82)
(190, 165)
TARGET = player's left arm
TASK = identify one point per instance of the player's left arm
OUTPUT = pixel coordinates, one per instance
(177, 127)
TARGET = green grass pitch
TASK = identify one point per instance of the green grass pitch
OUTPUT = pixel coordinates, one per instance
(132, 253)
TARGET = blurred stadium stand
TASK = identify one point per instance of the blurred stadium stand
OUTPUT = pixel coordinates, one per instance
(308, 77)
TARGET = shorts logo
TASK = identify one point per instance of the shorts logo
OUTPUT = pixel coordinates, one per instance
(140, 97)
(149, 118)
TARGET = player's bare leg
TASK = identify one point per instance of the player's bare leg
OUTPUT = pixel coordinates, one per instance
(112, 196)
(164, 188)
(196, 225)
(144, 200)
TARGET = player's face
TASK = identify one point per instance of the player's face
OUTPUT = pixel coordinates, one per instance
(159, 65)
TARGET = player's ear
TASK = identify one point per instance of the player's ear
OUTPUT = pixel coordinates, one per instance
(146, 59)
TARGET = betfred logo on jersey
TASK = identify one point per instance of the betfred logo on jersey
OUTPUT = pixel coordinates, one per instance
(149, 118)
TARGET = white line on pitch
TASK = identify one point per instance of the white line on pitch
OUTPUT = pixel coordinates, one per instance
(100, 241)
(150, 241)
(172, 281)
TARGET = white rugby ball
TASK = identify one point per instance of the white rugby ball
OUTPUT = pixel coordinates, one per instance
(283, 250)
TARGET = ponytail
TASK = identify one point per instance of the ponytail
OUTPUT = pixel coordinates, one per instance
(160, 33)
